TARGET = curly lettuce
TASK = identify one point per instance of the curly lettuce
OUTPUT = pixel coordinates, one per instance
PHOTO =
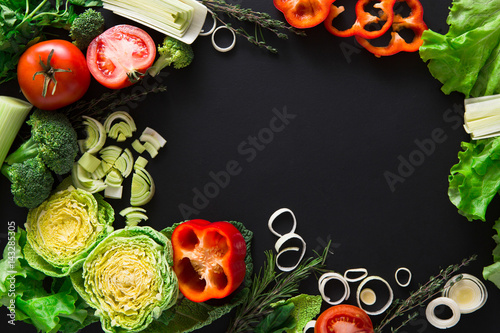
(467, 58)
(63, 230)
(128, 278)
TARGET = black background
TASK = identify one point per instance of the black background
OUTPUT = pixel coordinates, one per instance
(355, 118)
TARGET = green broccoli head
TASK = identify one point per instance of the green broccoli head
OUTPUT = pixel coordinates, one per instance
(87, 26)
(174, 53)
(31, 182)
(53, 139)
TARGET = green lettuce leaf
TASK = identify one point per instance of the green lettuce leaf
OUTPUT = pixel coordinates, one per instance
(475, 179)
(466, 59)
(22, 292)
(187, 316)
(306, 308)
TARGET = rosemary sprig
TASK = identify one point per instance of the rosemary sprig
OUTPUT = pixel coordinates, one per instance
(419, 297)
(268, 287)
(101, 107)
(261, 21)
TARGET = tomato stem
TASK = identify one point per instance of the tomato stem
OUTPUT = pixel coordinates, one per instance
(48, 73)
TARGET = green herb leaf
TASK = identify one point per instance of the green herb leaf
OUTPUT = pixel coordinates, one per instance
(87, 3)
(279, 320)
(307, 307)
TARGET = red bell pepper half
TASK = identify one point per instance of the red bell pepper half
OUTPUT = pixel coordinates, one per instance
(363, 19)
(209, 259)
(304, 13)
(415, 22)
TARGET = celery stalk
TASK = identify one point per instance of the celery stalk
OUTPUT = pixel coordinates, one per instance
(13, 112)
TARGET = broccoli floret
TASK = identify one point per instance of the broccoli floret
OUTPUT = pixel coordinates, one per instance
(87, 26)
(31, 182)
(172, 52)
(52, 138)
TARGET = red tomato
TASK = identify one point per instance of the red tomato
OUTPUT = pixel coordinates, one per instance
(120, 55)
(343, 318)
(66, 67)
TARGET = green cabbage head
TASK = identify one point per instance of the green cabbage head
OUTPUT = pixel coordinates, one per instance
(63, 230)
(128, 278)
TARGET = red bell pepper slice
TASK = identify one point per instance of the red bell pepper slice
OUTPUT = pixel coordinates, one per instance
(304, 13)
(209, 259)
(415, 22)
(363, 19)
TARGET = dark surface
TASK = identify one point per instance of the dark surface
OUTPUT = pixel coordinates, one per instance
(355, 117)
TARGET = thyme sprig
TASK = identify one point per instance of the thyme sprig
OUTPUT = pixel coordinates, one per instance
(419, 297)
(262, 21)
(269, 287)
(100, 107)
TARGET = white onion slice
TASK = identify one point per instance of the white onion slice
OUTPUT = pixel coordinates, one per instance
(223, 49)
(363, 271)
(398, 281)
(389, 301)
(469, 292)
(310, 324)
(438, 322)
(333, 276)
(279, 243)
(278, 213)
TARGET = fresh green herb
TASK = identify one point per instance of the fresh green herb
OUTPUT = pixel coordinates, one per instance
(87, 26)
(52, 138)
(262, 21)
(174, 53)
(307, 307)
(279, 320)
(100, 107)
(466, 59)
(420, 297)
(269, 287)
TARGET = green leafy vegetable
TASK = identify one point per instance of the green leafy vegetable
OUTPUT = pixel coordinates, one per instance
(64, 229)
(174, 53)
(307, 307)
(22, 292)
(87, 26)
(128, 279)
(475, 179)
(467, 58)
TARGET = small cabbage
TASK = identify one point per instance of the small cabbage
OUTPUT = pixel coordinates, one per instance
(63, 230)
(128, 278)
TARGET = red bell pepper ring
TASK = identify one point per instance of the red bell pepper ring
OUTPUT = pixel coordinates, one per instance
(363, 19)
(304, 13)
(415, 22)
(209, 259)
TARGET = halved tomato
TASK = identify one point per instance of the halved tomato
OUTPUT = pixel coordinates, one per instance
(120, 56)
(343, 318)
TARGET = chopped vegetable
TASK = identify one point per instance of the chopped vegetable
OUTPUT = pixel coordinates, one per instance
(31, 181)
(13, 112)
(343, 317)
(89, 162)
(113, 192)
(110, 154)
(125, 163)
(304, 13)
(467, 291)
(365, 21)
(209, 259)
(83, 179)
(128, 279)
(114, 178)
(174, 53)
(87, 26)
(143, 187)
(138, 147)
(120, 125)
(465, 59)
(63, 230)
(151, 149)
(434, 320)
(179, 19)
(140, 162)
(133, 215)
(96, 135)
(52, 138)
(414, 22)
(120, 56)
(389, 299)
(481, 117)
(323, 280)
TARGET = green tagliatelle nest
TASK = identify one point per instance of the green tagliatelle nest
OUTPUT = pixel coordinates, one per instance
(128, 278)
(63, 230)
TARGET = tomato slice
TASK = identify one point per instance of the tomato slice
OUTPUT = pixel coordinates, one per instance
(343, 318)
(120, 55)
